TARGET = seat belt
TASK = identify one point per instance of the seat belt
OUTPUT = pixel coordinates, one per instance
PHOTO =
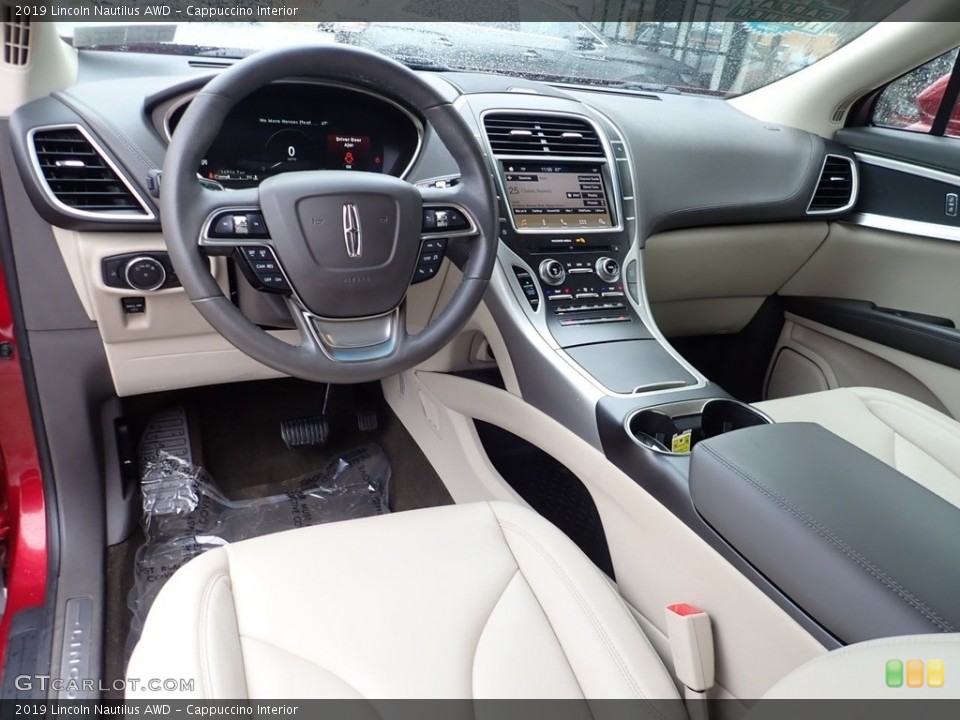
(691, 643)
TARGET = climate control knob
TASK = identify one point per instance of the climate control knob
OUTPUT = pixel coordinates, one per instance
(552, 272)
(608, 269)
(145, 274)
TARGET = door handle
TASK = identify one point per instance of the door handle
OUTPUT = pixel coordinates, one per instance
(445, 41)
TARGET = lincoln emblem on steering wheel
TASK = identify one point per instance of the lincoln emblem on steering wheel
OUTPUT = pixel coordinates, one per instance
(352, 234)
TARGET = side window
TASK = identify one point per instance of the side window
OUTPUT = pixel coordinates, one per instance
(913, 101)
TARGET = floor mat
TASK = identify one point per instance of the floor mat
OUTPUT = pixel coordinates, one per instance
(235, 433)
(236, 436)
(185, 514)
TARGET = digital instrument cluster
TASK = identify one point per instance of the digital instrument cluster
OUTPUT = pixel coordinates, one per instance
(287, 127)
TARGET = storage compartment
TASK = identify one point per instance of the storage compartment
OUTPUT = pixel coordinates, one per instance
(676, 428)
(632, 366)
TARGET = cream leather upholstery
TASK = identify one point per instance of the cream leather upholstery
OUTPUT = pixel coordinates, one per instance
(859, 671)
(917, 440)
(482, 600)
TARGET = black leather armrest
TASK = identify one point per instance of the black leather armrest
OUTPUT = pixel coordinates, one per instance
(863, 549)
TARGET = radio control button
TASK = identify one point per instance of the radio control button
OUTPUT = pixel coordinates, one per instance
(552, 272)
(608, 269)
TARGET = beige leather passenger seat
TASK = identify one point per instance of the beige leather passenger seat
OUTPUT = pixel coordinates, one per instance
(485, 600)
(917, 440)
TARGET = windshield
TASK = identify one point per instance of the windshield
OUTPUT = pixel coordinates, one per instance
(715, 58)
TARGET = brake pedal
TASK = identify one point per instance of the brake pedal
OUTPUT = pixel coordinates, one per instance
(305, 431)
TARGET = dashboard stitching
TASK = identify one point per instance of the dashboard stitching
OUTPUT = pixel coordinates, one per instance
(146, 161)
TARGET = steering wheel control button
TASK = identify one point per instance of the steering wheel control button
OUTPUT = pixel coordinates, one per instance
(437, 220)
(257, 253)
(552, 272)
(239, 225)
(608, 269)
(429, 220)
(428, 262)
(133, 305)
(256, 226)
(223, 226)
(274, 282)
(260, 267)
(145, 273)
(264, 266)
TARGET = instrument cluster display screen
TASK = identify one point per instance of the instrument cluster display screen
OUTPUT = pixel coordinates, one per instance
(556, 196)
(290, 127)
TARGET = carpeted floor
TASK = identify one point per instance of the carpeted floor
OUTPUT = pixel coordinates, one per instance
(235, 430)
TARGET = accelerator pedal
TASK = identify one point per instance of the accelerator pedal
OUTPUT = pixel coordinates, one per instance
(365, 405)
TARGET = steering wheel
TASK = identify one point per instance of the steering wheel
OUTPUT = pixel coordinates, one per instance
(342, 245)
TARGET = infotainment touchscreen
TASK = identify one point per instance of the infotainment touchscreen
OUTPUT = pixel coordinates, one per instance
(556, 196)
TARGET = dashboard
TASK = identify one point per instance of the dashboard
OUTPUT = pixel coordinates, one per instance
(288, 127)
(583, 178)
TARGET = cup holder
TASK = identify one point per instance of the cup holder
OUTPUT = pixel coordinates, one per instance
(656, 428)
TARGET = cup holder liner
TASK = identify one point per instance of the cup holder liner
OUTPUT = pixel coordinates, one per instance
(655, 428)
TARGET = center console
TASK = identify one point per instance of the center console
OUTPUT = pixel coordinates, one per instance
(570, 304)
(568, 219)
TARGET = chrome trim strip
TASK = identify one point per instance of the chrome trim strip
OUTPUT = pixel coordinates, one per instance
(168, 135)
(613, 180)
(86, 214)
(641, 306)
(908, 168)
(357, 345)
(904, 226)
(854, 187)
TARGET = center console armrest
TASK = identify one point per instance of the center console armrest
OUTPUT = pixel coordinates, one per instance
(861, 548)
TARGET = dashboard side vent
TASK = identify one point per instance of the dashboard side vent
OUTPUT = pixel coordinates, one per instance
(80, 177)
(16, 39)
(836, 189)
(558, 135)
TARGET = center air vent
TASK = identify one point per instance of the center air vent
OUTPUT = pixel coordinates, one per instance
(542, 135)
(836, 187)
(79, 176)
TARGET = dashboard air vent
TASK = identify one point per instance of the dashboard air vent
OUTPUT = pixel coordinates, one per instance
(542, 135)
(16, 39)
(836, 187)
(79, 176)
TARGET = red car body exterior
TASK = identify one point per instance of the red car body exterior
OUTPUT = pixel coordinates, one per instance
(23, 521)
(928, 103)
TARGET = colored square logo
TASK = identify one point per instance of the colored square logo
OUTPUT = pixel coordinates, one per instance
(935, 673)
(914, 673)
(894, 673)
(897, 673)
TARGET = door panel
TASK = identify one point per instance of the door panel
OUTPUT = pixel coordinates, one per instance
(878, 304)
